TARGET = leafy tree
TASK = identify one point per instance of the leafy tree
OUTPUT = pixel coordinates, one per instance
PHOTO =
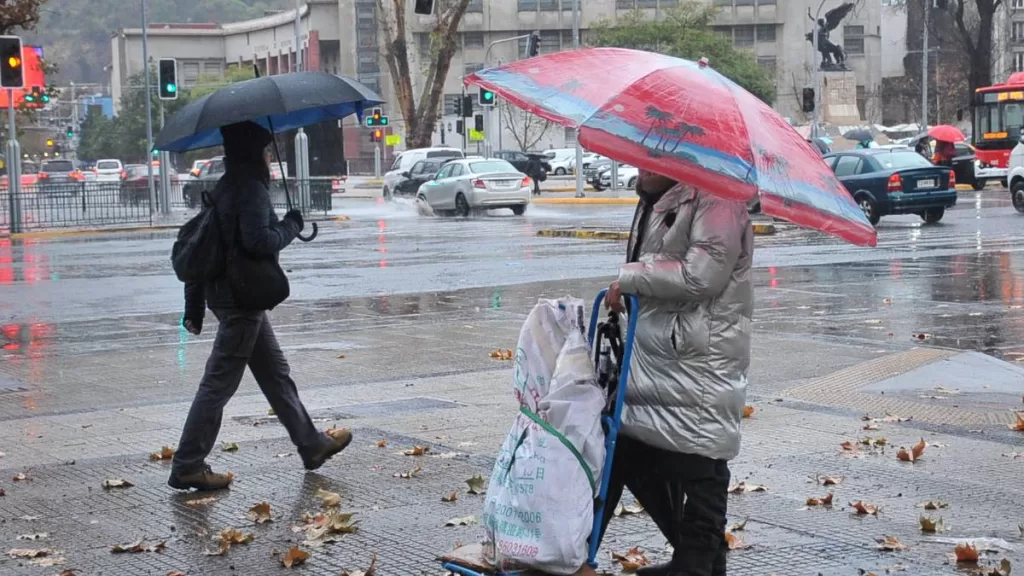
(18, 15)
(209, 84)
(685, 32)
(420, 114)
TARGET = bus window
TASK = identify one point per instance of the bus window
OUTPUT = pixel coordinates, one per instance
(1013, 116)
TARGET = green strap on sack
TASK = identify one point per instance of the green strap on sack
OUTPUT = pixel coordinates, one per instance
(565, 442)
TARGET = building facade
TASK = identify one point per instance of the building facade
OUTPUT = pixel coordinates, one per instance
(343, 37)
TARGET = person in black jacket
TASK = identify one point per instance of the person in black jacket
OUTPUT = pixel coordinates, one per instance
(244, 337)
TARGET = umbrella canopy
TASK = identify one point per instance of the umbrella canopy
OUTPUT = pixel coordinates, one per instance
(913, 142)
(946, 133)
(859, 135)
(288, 101)
(685, 121)
(821, 145)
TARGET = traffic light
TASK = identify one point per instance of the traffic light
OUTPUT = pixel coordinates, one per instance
(458, 106)
(459, 127)
(425, 7)
(70, 132)
(533, 45)
(376, 135)
(167, 76)
(807, 104)
(374, 118)
(49, 143)
(478, 122)
(486, 97)
(467, 106)
(35, 95)
(12, 69)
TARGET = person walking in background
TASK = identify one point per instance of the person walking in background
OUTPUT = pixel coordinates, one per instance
(689, 259)
(244, 337)
(945, 152)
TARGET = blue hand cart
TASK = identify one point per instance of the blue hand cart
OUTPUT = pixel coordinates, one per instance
(612, 353)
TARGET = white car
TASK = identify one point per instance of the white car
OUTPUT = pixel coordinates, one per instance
(627, 177)
(1015, 169)
(562, 160)
(405, 160)
(983, 173)
(464, 185)
(109, 170)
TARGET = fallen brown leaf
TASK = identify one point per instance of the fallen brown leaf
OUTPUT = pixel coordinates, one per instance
(29, 552)
(260, 513)
(464, 521)
(871, 427)
(830, 480)
(912, 455)
(200, 501)
(294, 557)
(748, 411)
(860, 507)
(327, 498)
(631, 561)
(136, 547)
(933, 505)
(930, 525)
(743, 488)
(340, 356)
(825, 501)
(73, 572)
(1019, 424)
(890, 544)
(500, 354)
(171, 573)
(116, 483)
(229, 446)
(477, 484)
(371, 571)
(227, 537)
(450, 497)
(417, 451)
(966, 553)
(20, 477)
(382, 444)
(165, 453)
(409, 474)
(848, 446)
(735, 542)
(627, 509)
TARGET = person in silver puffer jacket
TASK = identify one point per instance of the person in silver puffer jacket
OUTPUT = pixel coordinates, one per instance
(689, 262)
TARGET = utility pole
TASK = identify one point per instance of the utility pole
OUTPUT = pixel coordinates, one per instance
(579, 147)
(13, 165)
(817, 71)
(149, 111)
(924, 68)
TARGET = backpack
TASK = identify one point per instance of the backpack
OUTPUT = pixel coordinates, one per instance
(198, 255)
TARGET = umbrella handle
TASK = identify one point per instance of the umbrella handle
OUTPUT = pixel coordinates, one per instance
(309, 238)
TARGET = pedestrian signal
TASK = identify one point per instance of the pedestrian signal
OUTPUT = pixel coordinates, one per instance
(70, 132)
(808, 100)
(459, 127)
(12, 69)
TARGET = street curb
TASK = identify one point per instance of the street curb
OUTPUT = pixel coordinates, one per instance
(587, 188)
(132, 230)
(964, 187)
(338, 218)
(760, 229)
(629, 201)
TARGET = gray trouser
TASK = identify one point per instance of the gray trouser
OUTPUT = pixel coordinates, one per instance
(244, 338)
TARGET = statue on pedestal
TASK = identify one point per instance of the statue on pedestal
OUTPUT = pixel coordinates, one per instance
(832, 57)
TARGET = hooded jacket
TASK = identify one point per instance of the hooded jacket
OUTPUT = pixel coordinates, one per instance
(688, 375)
(247, 216)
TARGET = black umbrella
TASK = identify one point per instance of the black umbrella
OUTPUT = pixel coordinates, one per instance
(278, 103)
(917, 139)
(821, 145)
(859, 135)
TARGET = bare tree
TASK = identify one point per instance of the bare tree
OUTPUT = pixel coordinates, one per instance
(19, 15)
(974, 22)
(420, 114)
(526, 127)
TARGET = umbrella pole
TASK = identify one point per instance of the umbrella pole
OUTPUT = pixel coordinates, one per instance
(280, 164)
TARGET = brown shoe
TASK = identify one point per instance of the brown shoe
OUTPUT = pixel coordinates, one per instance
(205, 479)
(335, 442)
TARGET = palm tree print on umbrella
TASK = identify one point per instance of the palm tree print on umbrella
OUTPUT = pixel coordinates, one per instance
(668, 134)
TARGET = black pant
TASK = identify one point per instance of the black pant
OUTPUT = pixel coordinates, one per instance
(243, 339)
(686, 496)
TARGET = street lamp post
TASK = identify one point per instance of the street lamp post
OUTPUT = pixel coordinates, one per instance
(817, 72)
(579, 147)
(149, 112)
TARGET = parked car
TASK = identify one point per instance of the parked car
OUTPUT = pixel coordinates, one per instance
(521, 161)
(29, 177)
(592, 173)
(193, 173)
(895, 181)
(462, 186)
(135, 186)
(405, 160)
(109, 170)
(1015, 168)
(60, 177)
(422, 171)
(209, 174)
(963, 165)
(561, 160)
(627, 177)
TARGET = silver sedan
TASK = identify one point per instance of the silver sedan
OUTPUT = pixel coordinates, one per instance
(465, 185)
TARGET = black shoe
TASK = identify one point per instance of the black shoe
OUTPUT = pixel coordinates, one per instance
(205, 479)
(656, 570)
(333, 443)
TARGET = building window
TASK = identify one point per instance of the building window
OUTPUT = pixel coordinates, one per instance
(470, 68)
(724, 32)
(743, 36)
(646, 3)
(624, 4)
(1018, 31)
(1018, 4)
(527, 5)
(1018, 61)
(550, 5)
(190, 72)
(853, 39)
(212, 69)
(368, 63)
(765, 2)
(862, 101)
(549, 41)
(768, 63)
(423, 40)
(744, 2)
(475, 6)
(766, 32)
(473, 40)
(567, 39)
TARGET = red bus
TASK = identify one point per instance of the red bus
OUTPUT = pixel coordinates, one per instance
(998, 120)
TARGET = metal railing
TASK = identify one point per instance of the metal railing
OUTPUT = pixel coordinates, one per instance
(91, 204)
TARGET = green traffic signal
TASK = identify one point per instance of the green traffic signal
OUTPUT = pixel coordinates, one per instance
(486, 97)
(383, 120)
(46, 98)
(171, 88)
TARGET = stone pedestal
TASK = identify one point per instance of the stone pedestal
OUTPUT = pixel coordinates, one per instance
(839, 98)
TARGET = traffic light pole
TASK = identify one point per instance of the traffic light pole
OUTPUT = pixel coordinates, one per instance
(579, 147)
(13, 166)
(149, 112)
(488, 144)
(165, 172)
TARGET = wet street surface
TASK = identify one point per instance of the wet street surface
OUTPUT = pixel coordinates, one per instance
(389, 331)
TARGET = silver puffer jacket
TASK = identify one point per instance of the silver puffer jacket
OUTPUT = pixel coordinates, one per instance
(688, 376)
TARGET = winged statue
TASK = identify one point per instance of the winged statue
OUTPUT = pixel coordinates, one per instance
(832, 56)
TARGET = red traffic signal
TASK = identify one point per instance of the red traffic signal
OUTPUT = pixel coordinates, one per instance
(376, 135)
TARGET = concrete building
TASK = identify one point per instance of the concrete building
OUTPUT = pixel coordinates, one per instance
(342, 37)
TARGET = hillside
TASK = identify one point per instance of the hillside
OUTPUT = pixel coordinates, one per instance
(75, 34)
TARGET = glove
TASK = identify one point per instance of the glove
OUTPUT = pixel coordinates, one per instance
(296, 217)
(194, 324)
